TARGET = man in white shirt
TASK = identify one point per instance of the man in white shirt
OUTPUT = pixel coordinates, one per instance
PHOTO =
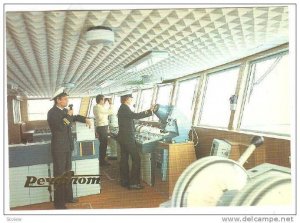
(101, 114)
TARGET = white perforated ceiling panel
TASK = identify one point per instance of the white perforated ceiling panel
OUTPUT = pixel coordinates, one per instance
(47, 49)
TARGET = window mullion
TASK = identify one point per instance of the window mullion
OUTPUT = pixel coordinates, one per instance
(240, 92)
(201, 97)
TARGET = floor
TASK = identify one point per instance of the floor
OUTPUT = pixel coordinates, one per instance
(112, 195)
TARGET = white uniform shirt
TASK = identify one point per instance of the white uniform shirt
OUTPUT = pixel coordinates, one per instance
(101, 114)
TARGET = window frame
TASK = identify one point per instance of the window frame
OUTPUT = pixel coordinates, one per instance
(90, 106)
(197, 79)
(243, 64)
(17, 116)
(164, 85)
(139, 109)
(239, 66)
(246, 94)
(114, 97)
(79, 104)
(37, 99)
(137, 92)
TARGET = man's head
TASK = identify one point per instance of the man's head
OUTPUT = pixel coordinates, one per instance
(100, 99)
(61, 100)
(126, 99)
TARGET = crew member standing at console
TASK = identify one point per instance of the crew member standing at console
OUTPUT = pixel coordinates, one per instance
(127, 143)
(101, 114)
(60, 122)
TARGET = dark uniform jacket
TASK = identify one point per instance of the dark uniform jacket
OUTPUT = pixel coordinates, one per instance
(60, 124)
(126, 124)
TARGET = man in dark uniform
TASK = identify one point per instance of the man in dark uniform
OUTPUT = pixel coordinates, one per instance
(127, 142)
(60, 122)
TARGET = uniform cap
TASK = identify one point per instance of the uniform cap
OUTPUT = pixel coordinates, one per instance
(59, 93)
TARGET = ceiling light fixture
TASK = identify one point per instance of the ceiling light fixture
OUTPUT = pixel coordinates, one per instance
(99, 35)
(68, 85)
(106, 83)
(146, 60)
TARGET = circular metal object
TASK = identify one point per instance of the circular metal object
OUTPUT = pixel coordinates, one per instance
(269, 189)
(205, 181)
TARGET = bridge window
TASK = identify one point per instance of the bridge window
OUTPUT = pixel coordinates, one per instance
(268, 102)
(117, 103)
(38, 109)
(146, 99)
(220, 86)
(135, 100)
(76, 105)
(164, 94)
(185, 97)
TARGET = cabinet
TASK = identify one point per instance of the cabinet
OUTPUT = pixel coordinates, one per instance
(34, 159)
(147, 168)
(170, 161)
(87, 167)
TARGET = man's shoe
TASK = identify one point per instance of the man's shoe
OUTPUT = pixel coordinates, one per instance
(135, 187)
(75, 200)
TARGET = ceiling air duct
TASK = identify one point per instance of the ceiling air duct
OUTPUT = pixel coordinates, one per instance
(99, 35)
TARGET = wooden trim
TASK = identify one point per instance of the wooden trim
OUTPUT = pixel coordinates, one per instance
(84, 106)
(273, 150)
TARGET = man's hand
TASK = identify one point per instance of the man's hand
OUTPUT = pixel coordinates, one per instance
(152, 108)
(88, 123)
(70, 112)
(109, 101)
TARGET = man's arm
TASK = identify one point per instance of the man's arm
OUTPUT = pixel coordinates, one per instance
(95, 110)
(111, 110)
(78, 118)
(133, 115)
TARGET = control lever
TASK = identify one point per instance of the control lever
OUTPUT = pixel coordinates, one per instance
(255, 143)
(257, 140)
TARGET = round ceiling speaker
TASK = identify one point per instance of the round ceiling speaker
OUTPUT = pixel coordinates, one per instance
(99, 35)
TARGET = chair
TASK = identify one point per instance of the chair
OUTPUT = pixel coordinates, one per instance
(26, 135)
